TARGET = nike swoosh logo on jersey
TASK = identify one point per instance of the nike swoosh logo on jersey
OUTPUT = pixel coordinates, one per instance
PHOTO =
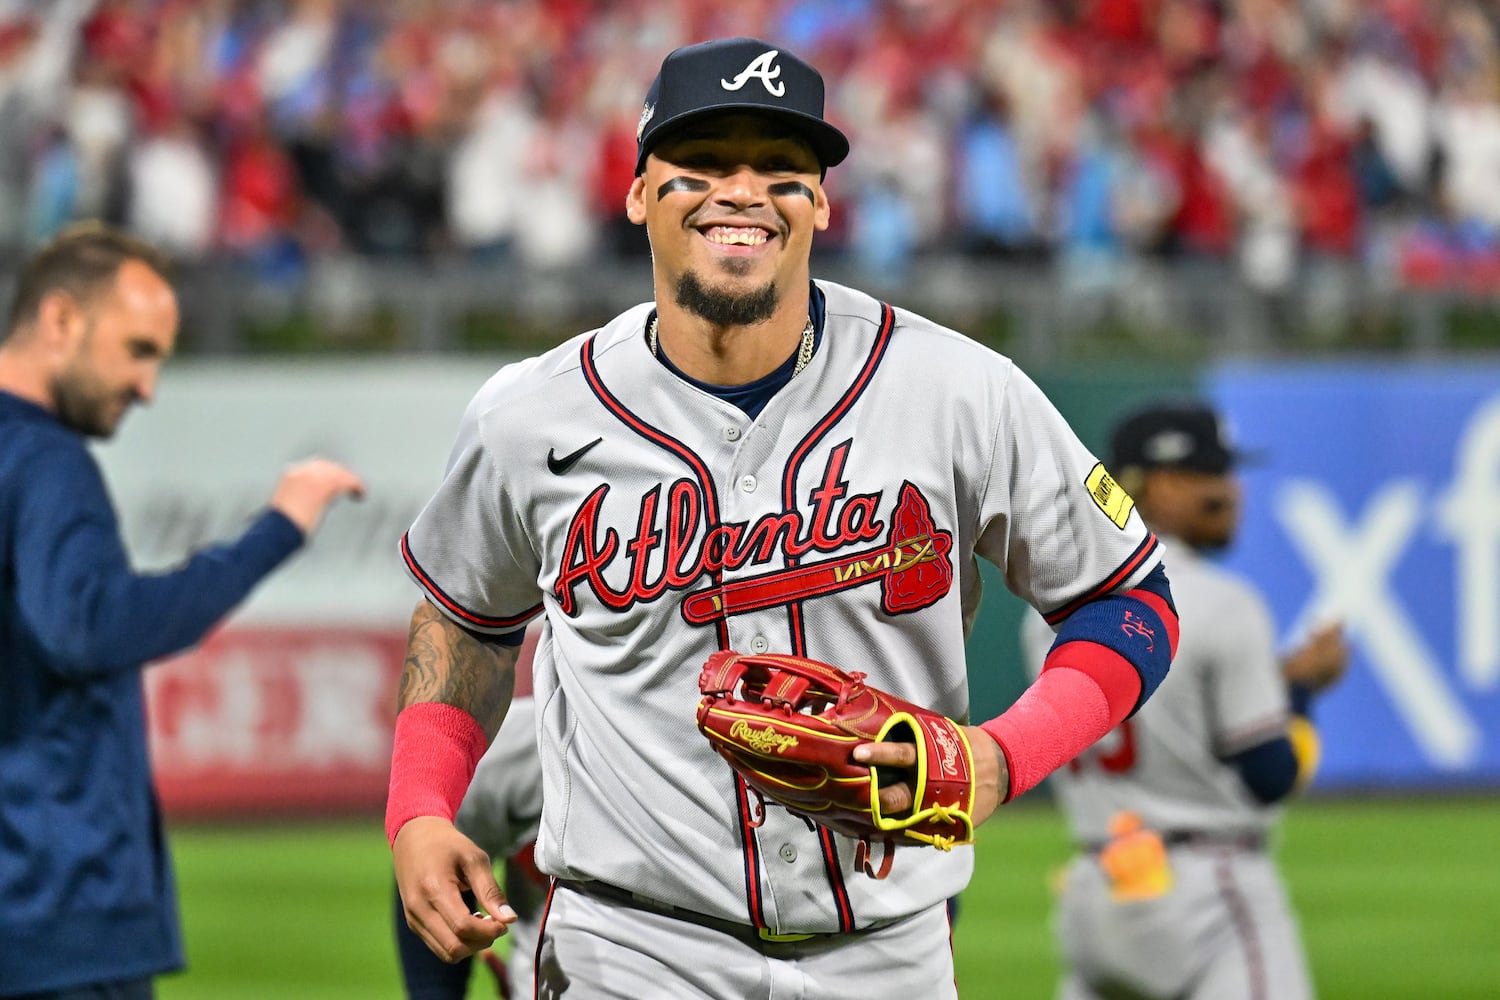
(558, 466)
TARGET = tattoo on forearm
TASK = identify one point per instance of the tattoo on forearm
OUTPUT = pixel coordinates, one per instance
(448, 664)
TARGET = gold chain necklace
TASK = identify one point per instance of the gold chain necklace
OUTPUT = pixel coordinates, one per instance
(804, 352)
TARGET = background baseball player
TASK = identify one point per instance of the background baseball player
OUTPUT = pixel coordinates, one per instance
(757, 462)
(1173, 893)
(500, 813)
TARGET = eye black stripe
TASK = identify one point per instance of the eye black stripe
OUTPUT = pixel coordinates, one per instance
(689, 184)
(783, 188)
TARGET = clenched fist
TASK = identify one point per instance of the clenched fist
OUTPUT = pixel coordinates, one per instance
(308, 487)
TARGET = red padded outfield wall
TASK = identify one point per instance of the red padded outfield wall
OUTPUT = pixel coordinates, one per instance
(276, 719)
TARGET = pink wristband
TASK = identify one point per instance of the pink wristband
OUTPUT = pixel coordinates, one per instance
(436, 748)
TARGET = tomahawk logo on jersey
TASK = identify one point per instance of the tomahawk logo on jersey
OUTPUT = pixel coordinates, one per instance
(672, 549)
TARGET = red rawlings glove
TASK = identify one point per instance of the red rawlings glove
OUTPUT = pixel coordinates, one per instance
(787, 725)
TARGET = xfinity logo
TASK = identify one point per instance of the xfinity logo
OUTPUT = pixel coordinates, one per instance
(1353, 561)
(763, 69)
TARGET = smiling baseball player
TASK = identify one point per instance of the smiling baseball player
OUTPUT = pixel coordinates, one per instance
(760, 463)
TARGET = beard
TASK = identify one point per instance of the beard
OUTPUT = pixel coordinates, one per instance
(85, 404)
(1210, 541)
(1210, 545)
(724, 308)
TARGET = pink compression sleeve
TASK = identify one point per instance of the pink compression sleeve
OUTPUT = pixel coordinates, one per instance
(1084, 691)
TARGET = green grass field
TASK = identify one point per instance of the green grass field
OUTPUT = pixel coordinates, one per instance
(1398, 899)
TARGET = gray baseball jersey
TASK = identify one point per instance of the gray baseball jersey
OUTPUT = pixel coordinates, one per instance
(653, 523)
(1220, 925)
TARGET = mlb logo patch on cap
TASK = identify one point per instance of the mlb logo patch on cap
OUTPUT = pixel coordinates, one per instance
(737, 74)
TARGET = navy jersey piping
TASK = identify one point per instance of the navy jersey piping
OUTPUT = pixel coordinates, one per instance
(442, 597)
(1132, 562)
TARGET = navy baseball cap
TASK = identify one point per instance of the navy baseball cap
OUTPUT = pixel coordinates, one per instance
(737, 74)
(1175, 435)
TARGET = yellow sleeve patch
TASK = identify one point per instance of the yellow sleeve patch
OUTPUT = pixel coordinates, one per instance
(1113, 500)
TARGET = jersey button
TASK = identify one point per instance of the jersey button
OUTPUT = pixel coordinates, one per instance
(731, 434)
(788, 853)
(759, 644)
(748, 484)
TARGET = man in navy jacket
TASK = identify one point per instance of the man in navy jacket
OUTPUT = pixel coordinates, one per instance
(88, 909)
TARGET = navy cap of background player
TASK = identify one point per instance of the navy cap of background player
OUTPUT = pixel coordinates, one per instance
(737, 74)
(1174, 435)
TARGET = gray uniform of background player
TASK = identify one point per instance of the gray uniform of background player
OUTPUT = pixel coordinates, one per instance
(1226, 929)
(633, 796)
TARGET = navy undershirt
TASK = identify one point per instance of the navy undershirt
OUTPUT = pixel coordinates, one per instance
(752, 397)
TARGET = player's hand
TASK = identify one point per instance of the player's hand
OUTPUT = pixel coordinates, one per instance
(991, 776)
(435, 865)
(1320, 661)
(308, 487)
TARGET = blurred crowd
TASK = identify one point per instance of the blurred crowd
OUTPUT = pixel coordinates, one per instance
(1270, 136)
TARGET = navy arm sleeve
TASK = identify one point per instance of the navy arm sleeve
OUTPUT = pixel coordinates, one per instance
(78, 595)
(1269, 769)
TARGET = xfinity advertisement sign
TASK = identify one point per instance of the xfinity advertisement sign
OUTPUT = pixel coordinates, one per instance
(1376, 502)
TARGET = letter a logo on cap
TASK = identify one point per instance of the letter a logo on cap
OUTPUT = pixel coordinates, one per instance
(762, 69)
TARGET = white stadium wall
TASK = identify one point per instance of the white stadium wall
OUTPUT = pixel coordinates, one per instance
(288, 706)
